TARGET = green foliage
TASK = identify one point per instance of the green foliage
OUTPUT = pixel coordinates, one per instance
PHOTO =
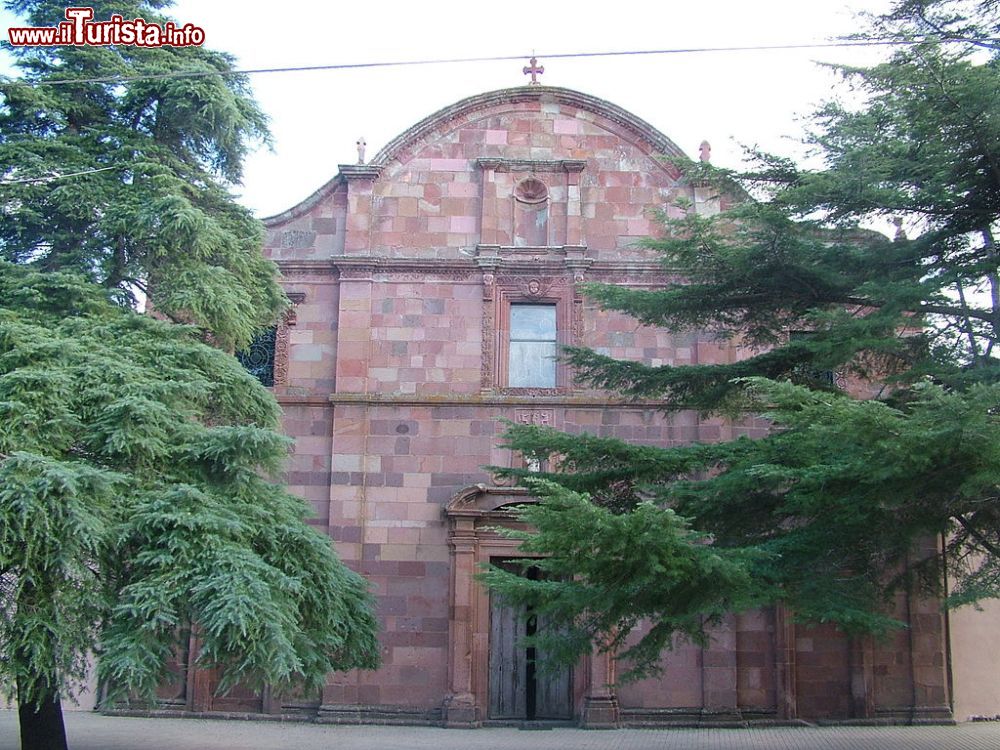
(160, 219)
(845, 499)
(604, 572)
(136, 502)
(139, 498)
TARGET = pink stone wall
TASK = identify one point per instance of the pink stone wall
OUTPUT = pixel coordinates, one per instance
(394, 388)
(429, 200)
(822, 675)
(426, 338)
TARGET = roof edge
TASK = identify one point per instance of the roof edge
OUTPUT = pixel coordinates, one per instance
(597, 106)
(304, 205)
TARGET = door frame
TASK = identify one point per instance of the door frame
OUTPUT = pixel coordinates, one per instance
(474, 514)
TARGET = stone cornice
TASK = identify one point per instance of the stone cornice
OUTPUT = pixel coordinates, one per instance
(488, 399)
(514, 263)
(305, 267)
(361, 171)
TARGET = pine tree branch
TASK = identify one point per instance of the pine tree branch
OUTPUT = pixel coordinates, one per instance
(990, 246)
(949, 311)
(977, 535)
(967, 326)
(985, 145)
(921, 14)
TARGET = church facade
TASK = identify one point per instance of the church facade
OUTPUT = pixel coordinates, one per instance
(431, 287)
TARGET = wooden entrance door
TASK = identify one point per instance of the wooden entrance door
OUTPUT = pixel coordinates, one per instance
(518, 688)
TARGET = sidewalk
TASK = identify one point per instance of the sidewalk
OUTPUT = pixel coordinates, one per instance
(88, 731)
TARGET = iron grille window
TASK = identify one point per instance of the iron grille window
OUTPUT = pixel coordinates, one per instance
(258, 358)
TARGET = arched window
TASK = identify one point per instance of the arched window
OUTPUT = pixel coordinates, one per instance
(531, 213)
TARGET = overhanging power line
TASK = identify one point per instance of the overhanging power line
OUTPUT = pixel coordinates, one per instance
(504, 58)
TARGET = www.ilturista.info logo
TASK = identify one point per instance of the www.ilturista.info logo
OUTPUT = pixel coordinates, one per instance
(79, 29)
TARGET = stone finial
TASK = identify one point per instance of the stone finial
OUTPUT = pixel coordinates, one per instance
(534, 70)
(361, 143)
(705, 152)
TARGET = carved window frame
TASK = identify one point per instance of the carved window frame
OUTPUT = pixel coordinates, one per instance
(282, 338)
(504, 291)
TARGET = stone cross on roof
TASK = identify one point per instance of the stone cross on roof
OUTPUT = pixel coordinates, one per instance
(361, 143)
(534, 70)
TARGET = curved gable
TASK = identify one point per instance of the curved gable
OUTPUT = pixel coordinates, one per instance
(451, 183)
(478, 106)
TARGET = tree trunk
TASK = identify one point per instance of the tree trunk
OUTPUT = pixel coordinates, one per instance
(42, 725)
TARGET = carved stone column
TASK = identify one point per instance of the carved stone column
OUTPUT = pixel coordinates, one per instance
(490, 264)
(460, 709)
(600, 703)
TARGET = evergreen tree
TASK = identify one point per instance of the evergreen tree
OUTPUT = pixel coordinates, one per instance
(158, 219)
(834, 508)
(136, 504)
(138, 498)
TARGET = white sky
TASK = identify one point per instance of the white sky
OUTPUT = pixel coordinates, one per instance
(728, 98)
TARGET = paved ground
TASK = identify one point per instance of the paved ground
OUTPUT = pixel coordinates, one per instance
(89, 731)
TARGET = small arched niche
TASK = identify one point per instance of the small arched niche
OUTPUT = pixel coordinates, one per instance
(531, 213)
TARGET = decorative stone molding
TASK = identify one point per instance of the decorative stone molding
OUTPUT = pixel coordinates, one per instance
(517, 397)
(392, 275)
(541, 417)
(532, 392)
(357, 271)
(306, 267)
(499, 292)
(281, 339)
(532, 165)
(532, 286)
(402, 269)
